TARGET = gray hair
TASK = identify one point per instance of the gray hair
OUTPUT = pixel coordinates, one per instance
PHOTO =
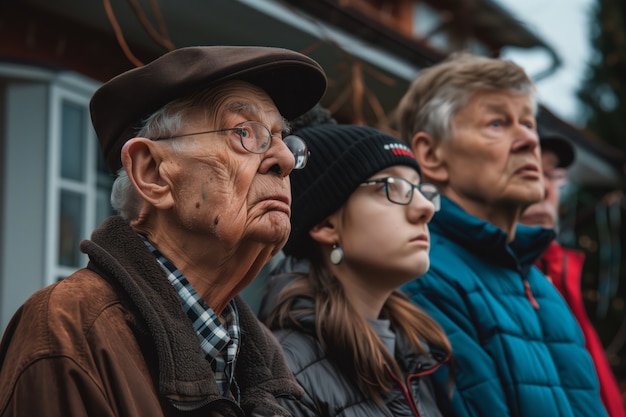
(169, 121)
(441, 91)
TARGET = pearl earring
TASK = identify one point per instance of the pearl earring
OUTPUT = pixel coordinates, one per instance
(336, 255)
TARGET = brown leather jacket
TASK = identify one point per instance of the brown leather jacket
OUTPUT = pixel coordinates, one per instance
(113, 340)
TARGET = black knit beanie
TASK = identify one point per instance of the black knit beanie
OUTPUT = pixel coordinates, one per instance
(342, 157)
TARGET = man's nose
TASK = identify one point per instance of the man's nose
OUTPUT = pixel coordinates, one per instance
(525, 138)
(278, 159)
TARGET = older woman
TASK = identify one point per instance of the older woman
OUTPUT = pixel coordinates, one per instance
(151, 327)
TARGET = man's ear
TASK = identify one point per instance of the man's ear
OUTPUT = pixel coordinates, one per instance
(325, 231)
(430, 156)
(140, 158)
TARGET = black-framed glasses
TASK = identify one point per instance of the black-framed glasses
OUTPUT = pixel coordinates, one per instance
(256, 138)
(400, 190)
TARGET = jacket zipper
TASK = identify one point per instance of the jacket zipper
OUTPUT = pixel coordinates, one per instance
(529, 295)
(405, 386)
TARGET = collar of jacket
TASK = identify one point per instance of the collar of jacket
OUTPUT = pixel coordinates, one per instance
(119, 256)
(486, 240)
(417, 363)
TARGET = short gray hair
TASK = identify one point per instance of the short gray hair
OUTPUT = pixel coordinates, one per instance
(441, 91)
(169, 120)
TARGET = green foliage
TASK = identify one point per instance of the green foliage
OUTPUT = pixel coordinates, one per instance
(603, 92)
(603, 229)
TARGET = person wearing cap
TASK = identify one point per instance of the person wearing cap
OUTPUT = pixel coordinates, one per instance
(557, 154)
(153, 325)
(354, 342)
(518, 350)
(563, 266)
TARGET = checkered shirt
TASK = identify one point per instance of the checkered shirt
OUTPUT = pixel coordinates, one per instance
(219, 342)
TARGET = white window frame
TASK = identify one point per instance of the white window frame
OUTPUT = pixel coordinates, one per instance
(78, 92)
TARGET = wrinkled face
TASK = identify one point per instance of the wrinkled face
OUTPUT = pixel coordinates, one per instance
(493, 159)
(385, 244)
(546, 212)
(224, 194)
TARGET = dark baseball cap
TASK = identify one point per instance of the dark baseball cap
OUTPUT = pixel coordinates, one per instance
(562, 147)
(294, 82)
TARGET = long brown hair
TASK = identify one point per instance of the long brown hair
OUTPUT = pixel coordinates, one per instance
(353, 344)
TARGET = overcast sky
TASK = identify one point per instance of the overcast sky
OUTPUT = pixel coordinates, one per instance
(565, 25)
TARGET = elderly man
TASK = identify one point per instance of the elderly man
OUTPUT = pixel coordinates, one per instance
(152, 326)
(563, 266)
(517, 347)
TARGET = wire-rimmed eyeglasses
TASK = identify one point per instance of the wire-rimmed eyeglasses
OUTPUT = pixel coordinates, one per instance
(400, 190)
(256, 138)
(557, 176)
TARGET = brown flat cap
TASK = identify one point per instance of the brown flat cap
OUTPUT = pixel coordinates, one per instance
(294, 81)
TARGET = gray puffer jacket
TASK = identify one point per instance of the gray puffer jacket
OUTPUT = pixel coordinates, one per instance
(329, 392)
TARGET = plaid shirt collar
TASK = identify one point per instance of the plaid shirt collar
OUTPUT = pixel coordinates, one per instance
(219, 342)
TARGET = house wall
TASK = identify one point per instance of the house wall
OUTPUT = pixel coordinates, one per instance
(22, 224)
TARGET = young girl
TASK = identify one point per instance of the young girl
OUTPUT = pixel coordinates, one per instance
(360, 218)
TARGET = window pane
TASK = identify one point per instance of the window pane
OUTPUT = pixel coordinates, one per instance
(73, 119)
(70, 227)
